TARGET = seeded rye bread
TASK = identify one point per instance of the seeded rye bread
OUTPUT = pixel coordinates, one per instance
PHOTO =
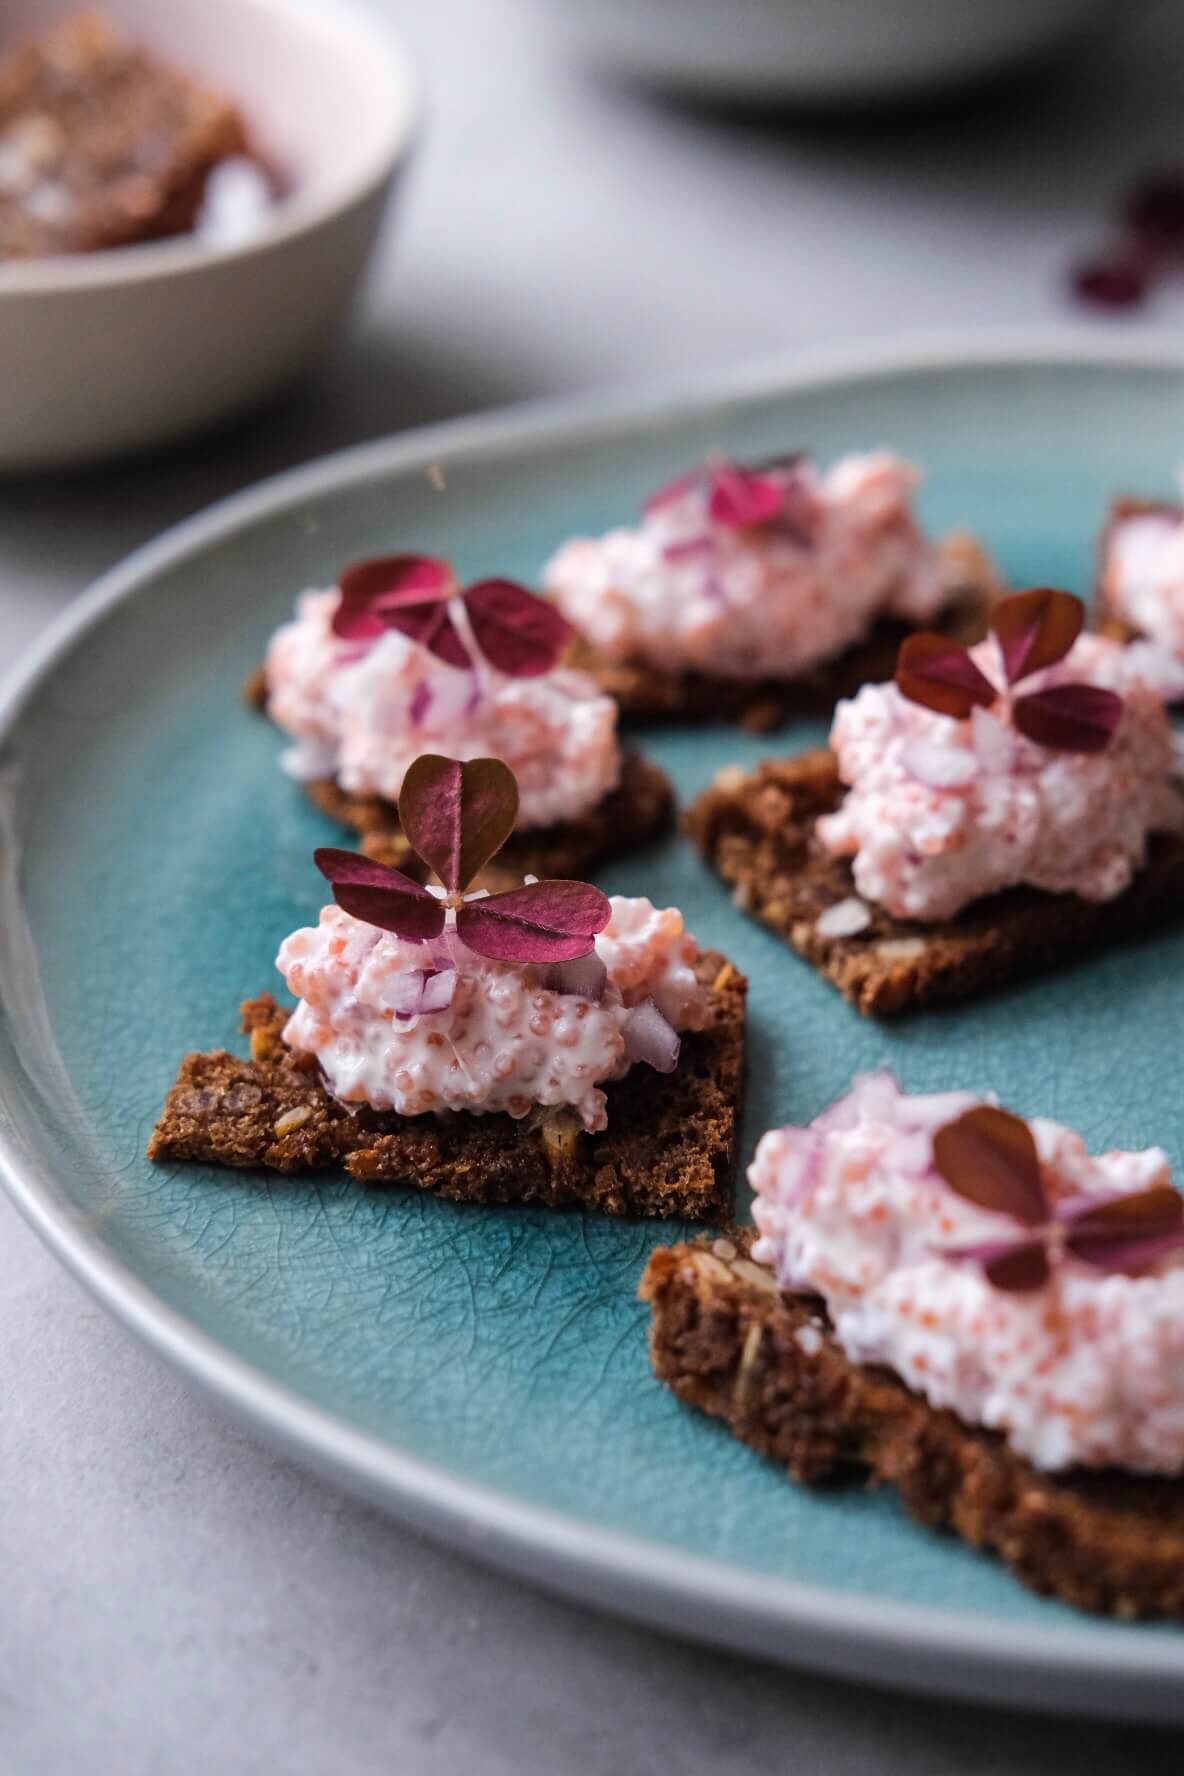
(727, 1340)
(669, 1148)
(641, 808)
(646, 693)
(756, 830)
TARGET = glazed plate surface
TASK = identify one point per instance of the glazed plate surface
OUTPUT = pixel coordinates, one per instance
(484, 1373)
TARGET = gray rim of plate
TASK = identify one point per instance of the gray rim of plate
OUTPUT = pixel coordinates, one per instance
(904, 1645)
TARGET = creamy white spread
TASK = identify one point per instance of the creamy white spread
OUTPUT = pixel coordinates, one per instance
(1087, 1370)
(772, 600)
(507, 1041)
(363, 712)
(940, 811)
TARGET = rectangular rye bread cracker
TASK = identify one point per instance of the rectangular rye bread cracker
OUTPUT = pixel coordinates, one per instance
(756, 830)
(669, 1148)
(725, 1339)
(645, 693)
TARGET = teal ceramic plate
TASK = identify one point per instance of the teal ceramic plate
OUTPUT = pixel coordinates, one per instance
(484, 1373)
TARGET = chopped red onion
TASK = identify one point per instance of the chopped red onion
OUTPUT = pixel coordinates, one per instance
(585, 977)
(937, 766)
(421, 702)
(993, 741)
(422, 990)
(650, 1037)
(696, 545)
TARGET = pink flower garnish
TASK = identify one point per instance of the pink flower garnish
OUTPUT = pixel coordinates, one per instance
(990, 1158)
(519, 633)
(410, 593)
(456, 814)
(1034, 629)
(739, 497)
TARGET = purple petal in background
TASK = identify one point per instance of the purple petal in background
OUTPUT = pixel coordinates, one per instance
(519, 633)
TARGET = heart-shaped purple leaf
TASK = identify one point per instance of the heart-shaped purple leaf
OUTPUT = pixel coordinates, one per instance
(1069, 717)
(741, 498)
(939, 673)
(431, 625)
(989, 1157)
(1016, 1266)
(456, 815)
(1035, 629)
(1127, 1257)
(1024, 1268)
(381, 896)
(409, 593)
(1138, 1215)
(520, 634)
(541, 922)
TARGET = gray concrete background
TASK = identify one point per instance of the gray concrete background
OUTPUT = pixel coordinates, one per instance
(173, 1597)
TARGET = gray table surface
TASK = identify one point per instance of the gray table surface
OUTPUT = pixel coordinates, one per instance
(174, 1597)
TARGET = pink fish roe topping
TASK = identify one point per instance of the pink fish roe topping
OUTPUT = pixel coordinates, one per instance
(362, 713)
(941, 811)
(1143, 575)
(504, 1042)
(1087, 1370)
(771, 599)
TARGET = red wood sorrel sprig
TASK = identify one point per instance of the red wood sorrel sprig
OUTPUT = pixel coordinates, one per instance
(989, 1157)
(517, 632)
(741, 497)
(456, 816)
(1034, 629)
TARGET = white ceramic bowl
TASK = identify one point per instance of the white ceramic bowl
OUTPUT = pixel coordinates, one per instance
(104, 353)
(821, 53)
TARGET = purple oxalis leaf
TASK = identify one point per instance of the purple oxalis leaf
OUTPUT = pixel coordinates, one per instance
(380, 896)
(1016, 1266)
(1035, 629)
(989, 1157)
(940, 674)
(741, 498)
(1069, 717)
(519, 633)
(457, 814)
(409, 593)
(541, 922)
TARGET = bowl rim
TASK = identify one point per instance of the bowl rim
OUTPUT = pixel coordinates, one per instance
(1073, 1668)
(361, 35)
